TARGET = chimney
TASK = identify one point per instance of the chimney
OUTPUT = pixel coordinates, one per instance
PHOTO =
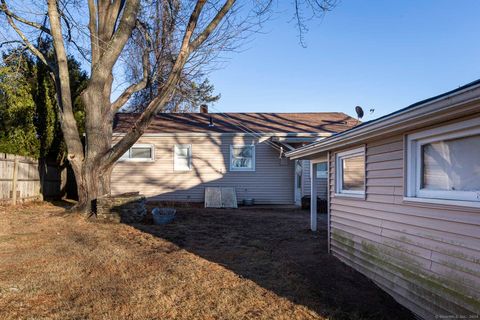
(203, 108)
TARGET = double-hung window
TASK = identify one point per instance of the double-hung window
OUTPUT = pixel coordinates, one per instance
(182, 157)
(242, 158)
(139, 153)
(350, 173)
(443, 164)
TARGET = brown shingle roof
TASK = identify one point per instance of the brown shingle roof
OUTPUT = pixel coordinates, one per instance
(318, 122)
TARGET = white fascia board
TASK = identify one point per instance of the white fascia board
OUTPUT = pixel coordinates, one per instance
(402, 120)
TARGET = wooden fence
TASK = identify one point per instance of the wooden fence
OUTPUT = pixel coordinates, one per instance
(24, 179)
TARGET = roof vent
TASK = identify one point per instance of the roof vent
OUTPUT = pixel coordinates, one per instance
(203, 108)
(210, 124)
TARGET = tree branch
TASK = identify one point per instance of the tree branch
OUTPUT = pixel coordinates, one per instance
(22, 20)
(12, 41)
(69, 36)
(125, 96)
(92, 27)
(62, 83)
(167, 90)
(28, 44)
(113, 48)
(212, 25)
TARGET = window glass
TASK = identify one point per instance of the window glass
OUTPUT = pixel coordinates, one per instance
(181, 151)
(350, 172)
(242, 157)
(140, 153)
(353, 178)
(322, 170)
(452, 165)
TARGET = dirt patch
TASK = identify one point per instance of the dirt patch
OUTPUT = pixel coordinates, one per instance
(208, 264)
(277, 250)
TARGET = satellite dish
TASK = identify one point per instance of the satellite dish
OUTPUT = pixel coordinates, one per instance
(359, 112)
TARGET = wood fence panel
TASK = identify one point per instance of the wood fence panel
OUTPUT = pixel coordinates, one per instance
(26, 178)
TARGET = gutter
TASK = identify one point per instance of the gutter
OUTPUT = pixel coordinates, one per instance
(401, 119)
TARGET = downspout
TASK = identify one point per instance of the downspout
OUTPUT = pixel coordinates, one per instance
(328, 201)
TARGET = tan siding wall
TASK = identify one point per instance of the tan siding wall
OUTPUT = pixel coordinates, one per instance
(271, 182)
(425, 256)
(321, 182)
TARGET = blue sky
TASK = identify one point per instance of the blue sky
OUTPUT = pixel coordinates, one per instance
(376, 54)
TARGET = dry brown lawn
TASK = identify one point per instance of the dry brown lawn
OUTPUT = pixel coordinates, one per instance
(208, 264)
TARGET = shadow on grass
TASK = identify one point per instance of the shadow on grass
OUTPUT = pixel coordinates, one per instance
(276, 250)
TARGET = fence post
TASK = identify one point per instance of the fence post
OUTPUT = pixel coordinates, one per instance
(14, 181)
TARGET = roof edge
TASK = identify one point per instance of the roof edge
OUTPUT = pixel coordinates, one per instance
(409, 113)
(255, 134)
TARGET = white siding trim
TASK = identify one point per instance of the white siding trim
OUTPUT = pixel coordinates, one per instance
(443, 201)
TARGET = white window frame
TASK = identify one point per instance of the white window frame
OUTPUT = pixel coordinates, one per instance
(128, 159)
(232, 146)
(339, 191)
(322, 174)
(415, 141)
(175, 165)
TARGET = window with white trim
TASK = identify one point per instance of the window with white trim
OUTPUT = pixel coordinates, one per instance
(242, 158)
(322, 170)
(139, 153)
(350, 172)
(182, 157)
(443, 164)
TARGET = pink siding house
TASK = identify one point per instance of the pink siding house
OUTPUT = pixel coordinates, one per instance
(404, 202)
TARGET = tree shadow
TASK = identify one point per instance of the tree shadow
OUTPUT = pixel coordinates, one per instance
(273, 248)
(271, 182)
(276, 250)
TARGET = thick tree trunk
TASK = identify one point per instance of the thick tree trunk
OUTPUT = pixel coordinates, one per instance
(93, 180)
(93, 177)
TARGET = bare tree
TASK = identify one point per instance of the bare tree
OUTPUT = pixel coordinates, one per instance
(171, 40)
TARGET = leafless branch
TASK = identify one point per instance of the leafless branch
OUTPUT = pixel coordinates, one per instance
(125, 96)
(19, 32)
(212, 25)
(11, 42)
(12, 15)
